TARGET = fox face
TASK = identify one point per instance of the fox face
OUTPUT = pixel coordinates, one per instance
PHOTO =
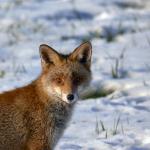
(63, 75)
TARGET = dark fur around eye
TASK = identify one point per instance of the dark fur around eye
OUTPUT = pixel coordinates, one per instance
(77, 80)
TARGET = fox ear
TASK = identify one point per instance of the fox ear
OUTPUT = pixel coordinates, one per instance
(48, 55)
(83, 54)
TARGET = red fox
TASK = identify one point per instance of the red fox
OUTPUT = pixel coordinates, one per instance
(34, 117)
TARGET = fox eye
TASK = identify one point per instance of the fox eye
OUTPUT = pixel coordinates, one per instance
(59, 81)
(77, 80)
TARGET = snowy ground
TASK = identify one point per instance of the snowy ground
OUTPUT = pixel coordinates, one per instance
(120, 33)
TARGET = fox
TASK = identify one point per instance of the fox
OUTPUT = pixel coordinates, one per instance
(35, 116)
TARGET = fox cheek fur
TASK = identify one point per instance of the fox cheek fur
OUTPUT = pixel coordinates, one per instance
(34, 117)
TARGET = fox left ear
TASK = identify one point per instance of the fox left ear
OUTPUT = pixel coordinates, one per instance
(49, 56)
(83, 54)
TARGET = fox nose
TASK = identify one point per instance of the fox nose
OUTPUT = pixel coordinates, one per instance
(70, 97)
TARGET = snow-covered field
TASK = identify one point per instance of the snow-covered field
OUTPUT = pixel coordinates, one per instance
(120, 34)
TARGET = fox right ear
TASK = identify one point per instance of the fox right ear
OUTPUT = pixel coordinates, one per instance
(48, 55)
(83, 54)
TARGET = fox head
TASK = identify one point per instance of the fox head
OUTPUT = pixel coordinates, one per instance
(62, 75)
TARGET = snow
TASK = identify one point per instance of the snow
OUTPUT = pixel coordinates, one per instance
(119, 31)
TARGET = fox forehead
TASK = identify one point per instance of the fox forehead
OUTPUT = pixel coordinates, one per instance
(68, 69)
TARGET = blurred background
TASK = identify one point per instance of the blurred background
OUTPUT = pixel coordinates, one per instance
(120, 34)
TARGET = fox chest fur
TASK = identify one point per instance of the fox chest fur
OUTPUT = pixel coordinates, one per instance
(58, 115)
